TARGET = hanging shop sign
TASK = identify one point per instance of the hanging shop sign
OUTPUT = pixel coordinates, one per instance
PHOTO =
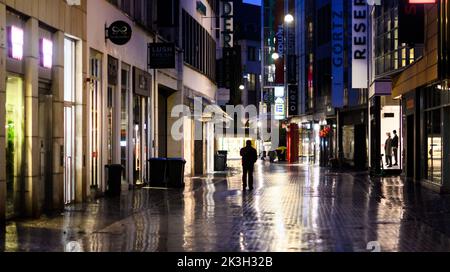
(119, 33)
(161, 55)
(227, 14)
(360, 45)
(337, 42)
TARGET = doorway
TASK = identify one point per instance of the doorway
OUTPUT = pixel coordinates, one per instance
(69, 120)
(15, 136)
(140, 136)
(94, 119)
(410, 146)
(45, 142)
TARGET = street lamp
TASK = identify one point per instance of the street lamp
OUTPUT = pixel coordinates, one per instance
(288, 18)
(275, 56)
(241, 87)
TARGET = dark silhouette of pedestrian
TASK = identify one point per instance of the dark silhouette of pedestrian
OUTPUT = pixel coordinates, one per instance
(388, 150)
(249, 158)
(395, 147)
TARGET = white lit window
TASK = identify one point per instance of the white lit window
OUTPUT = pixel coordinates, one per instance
(46, 53)
(15, 43)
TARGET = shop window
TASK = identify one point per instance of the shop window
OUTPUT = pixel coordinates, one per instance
(348, 142)
(434, 145)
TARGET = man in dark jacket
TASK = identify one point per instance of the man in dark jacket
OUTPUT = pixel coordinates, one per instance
(249, 158)
(395, 147)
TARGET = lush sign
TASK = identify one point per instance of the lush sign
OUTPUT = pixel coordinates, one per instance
(161, 56)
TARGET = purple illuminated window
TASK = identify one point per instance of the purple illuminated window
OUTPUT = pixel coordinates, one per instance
(15, 42)
(46, 53)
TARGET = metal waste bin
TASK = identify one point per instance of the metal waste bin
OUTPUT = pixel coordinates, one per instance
(220, 162)
(224, 153)
(113, 179)
(157, 172)
(175, 172)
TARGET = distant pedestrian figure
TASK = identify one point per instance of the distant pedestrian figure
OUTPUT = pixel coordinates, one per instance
(388, 150)
(395, 147)
(249, 158)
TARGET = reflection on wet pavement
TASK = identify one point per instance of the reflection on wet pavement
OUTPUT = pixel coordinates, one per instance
(293, 208)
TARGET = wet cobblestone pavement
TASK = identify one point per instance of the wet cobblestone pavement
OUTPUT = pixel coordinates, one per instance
(293, 208)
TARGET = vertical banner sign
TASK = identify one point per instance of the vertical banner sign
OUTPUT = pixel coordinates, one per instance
(359, 44)
(293, 100)
(227, 23)
(279, 42)
(337, 55)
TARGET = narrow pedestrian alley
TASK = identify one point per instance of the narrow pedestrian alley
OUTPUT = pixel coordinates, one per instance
(293, 208)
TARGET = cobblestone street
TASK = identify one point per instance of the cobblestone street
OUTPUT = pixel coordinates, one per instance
(293, 208)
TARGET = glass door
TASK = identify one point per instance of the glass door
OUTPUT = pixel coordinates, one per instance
(124, 120)
(94, 130)
(45, 141)
(69, 120)
(69, 173)
(15, 133)
(140, 135)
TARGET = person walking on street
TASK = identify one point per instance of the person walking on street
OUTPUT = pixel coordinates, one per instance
(388, 150)
(395, 147)
(249, 158)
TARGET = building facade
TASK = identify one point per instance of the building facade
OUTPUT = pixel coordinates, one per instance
(42, 126)
(424, 92)
(393, 48)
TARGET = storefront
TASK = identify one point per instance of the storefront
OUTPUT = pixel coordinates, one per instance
(141, 117)
(353, 138)
(42, 73)
(426, 133)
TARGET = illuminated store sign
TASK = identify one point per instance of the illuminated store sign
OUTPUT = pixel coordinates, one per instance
(422, 1)
(337, 42)
(227, 28)
(279, 91)
(280, 109)
(15, 42)
(359, 44)
(46, 53)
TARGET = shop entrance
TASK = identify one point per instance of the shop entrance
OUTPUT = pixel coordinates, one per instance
(45, 142)
(69, 120)
(140, 136)
(94, 119)
(15, 134)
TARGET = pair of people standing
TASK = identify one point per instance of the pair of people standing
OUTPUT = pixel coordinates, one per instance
(391, 148)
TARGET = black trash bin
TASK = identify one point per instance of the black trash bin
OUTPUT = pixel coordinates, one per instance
(220, 162)
(157, 172)
(113, 179)
(224, 153)
(175, 172)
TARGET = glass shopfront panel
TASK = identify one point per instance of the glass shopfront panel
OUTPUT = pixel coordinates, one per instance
(15, 135)
(124, 119)
(434, 145)
(140, 136)
(94, 118)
